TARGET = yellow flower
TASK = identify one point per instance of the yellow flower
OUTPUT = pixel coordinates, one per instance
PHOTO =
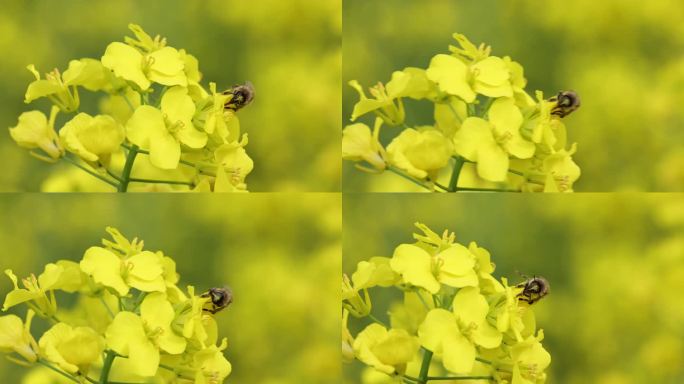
(352, 300)
(143, 271)
(234, 166)
(212, 367)
(121, 244)
(72, 349)
(452, 266)
(386, 101)
(211, 116)
(421, 153)
(34, 130)
(561, 171)
(440, 333)
(15, 336)
(471, 71)
(163, 131)
(347, 339)
(531, 359)
(490, 142)
(62, 89)
(92, 138)
(159, 64)
(358, 144)
(374, 272)
(386, 351)
(64, 275)
(189, 320)
(140, 338)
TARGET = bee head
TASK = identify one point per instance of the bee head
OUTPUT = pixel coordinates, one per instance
(221, 297)
(241, 96)
(568, 99)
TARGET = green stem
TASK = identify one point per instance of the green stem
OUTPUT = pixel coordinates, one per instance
(154, 181)
(111, 314)
(128, 167)
(411, 378)
(109, 359)
(486, 106)
(513, 171)
(481, 360)
(453, 110)
(130, 105)
(487, 189)
(461, 378)
(178, 374)
(89, 171)
(425, 367)
(197, 166)
(455, 173)
(471, 110)
(409, 178)
(443, 187)
(377, 320)
(112, 174)
(48, 365)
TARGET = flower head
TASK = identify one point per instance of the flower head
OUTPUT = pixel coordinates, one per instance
(15, 336)
(358, 143)
(387, 99)
(452, 266)
(164, 131)
(234, 166)
(34, 130)
(421, 153)
(92, 138)
(145, 61)
(386, 351)
(561, 171)
(489, 142)
(73, 349)
(143, 271)
(64, 275)
(140, 338)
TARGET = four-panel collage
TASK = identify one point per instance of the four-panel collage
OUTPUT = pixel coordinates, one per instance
(496, 186)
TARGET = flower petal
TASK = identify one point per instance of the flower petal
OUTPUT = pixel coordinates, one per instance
(451, 74)
(145, 123)
(474, 133)
(492, 162)
(164, 151)
(415, 266)
(126, 62)
(105, 268)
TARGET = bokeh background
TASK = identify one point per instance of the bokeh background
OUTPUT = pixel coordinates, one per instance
(615, 263)
(624, 58)
(280, 254)
(290, 50)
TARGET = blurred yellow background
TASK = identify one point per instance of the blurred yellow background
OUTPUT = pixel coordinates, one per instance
(280, 254)
(290, 50)
(615, 264)
(624, 58)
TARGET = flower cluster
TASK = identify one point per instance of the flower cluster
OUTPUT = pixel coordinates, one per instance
(157, 124)
(453, 311)
(488, 133)
(131, 322)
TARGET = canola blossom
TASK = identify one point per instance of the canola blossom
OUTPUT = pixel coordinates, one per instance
(157, 128)
(145, 328)
(456, 321)
(488, 133)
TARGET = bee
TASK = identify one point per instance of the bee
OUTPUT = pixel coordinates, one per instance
(220, 299)
(566, 103)
(533, 289)
(242, 95)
